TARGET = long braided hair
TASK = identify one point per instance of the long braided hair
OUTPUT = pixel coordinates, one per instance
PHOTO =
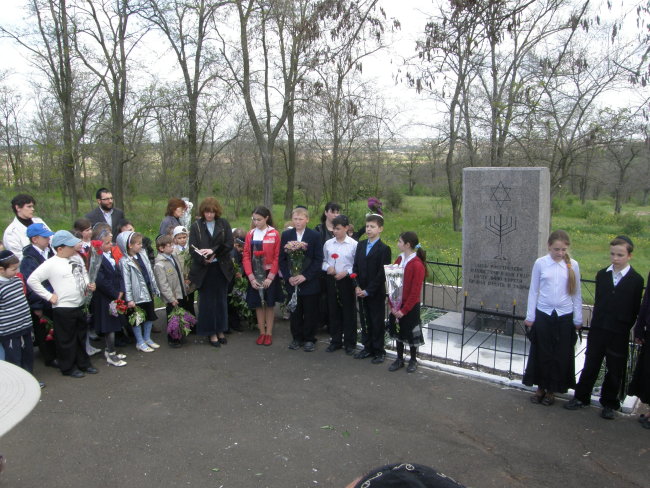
(562, 236)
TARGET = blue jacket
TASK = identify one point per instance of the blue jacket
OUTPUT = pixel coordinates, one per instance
(32, 259)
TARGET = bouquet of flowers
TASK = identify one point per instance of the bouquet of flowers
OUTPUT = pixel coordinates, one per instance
(137, 317)
(237, 296)
(117, 307)
(180, 323)
(47, 323)
(259, 272)
(394, 287)
(94, 262)
(186, 218)
(296, 251)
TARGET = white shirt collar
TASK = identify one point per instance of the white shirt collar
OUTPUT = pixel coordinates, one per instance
(622, 272)
(406, 260)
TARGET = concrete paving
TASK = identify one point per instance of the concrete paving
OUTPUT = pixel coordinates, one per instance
(248, 416)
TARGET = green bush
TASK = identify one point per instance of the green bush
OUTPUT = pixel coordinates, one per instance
(393, 199)
(632, 225)
(598, 217)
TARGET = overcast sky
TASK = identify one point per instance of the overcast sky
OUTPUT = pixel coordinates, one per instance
(382, 68)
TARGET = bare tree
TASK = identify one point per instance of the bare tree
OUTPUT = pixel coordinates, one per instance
(104, 41)
(51, 49)
(11, 135)
(188, 26)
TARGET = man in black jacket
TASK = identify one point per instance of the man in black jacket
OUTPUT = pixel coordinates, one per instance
(105, 212)
(618, 298)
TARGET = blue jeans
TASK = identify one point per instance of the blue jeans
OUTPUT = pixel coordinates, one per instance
(143, 332)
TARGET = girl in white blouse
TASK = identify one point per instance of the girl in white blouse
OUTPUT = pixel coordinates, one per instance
(553, 316)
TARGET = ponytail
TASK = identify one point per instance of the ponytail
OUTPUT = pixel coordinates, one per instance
(412, 239)
(571, 275)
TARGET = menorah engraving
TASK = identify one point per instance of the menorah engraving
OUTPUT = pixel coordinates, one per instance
(500, 227)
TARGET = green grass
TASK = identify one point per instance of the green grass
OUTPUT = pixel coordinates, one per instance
(591, 226)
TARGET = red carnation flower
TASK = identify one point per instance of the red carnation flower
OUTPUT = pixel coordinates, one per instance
(353, 276)
(335, 256)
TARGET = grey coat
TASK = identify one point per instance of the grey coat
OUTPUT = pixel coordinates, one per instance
(172, 288)
(134, 283)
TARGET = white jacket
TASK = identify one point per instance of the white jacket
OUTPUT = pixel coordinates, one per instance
(15, 236)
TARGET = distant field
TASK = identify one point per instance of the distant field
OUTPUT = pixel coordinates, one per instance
(590, 226)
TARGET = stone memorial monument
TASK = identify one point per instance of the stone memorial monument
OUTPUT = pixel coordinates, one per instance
(506, 219)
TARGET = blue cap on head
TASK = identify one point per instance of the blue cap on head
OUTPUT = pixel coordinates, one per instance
(38, 229)
(64, 238)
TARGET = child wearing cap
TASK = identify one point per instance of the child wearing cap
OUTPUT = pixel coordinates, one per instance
(69, 280)
(616, 306)
(34, 255)
(180, 234)
(338, 260)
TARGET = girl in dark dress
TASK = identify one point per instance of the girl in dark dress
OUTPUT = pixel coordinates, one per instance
(640, 385)
(405, 325)
(110, 287)
(212, 270)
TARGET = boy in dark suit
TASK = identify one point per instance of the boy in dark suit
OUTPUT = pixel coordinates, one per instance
(304, 319)
(618, 298)
(371, 256)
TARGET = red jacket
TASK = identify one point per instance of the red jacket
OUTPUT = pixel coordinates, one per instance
(413, 278)
(271, 248)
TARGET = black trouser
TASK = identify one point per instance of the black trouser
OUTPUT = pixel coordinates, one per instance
(19, 349)
(375, 312)
(342, 311)
(323, 303)
(47, 348)
(70, 329)
(613, 348)
(304, 319)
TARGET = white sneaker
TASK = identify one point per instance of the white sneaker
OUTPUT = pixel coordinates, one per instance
(91, 351)
(151, 343)
(114, 354)
(143, 347)
(113, 360)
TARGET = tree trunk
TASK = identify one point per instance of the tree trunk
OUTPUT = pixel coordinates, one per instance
(291, 164)
(192, 150)
(66, 99)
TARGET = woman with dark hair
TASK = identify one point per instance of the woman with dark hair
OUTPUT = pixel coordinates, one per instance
(260, 262)
(175, 209)
(212, 269)
(325, 231)
(326, 227)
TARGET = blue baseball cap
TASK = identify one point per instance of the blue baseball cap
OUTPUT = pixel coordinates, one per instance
(64, 238)
(39, 229)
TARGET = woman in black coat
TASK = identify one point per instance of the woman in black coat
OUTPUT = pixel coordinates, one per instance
(212, 270)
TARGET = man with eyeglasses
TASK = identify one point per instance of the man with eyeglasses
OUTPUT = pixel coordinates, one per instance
(105, 212)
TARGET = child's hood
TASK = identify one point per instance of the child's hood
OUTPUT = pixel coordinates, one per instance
(123, 240)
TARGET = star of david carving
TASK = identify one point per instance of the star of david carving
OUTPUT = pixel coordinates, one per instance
(500, 194)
